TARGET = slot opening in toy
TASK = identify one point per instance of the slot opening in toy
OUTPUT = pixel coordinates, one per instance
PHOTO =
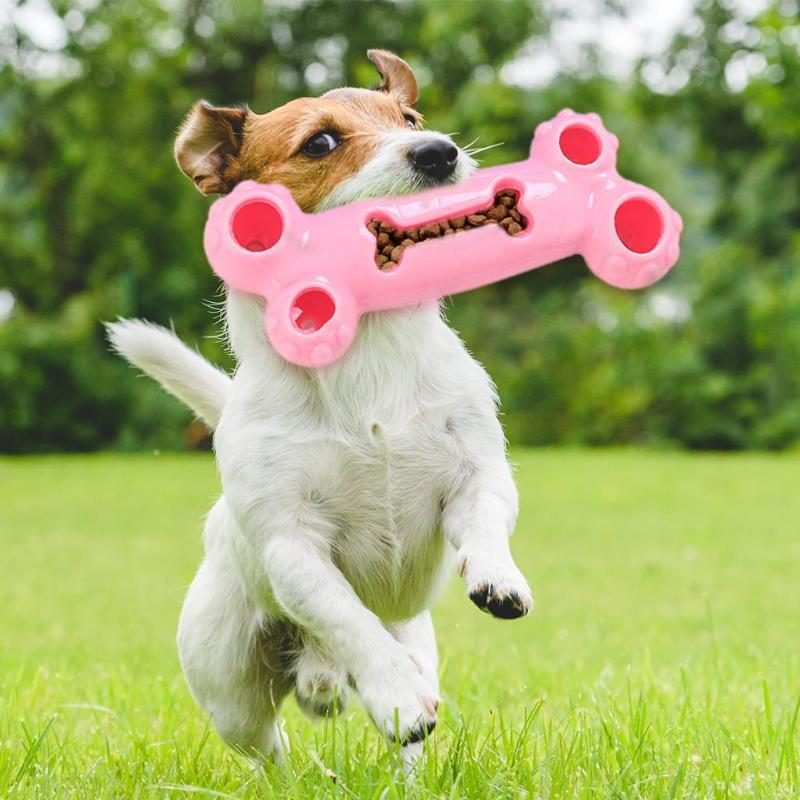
(391, 242)
(638, 224)
(257, 225)
(580, 145)
(312, 309)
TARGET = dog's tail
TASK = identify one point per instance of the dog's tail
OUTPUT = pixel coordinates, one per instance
(182, 371)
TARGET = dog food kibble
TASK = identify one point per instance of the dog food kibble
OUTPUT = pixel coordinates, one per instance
(391, 242)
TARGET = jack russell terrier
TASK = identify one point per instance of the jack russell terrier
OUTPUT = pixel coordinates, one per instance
(348, 490)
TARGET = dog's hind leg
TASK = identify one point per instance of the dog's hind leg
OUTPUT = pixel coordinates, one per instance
(237, 662)
(320, 684)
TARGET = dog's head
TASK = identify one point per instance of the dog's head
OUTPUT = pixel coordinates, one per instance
(329, 150)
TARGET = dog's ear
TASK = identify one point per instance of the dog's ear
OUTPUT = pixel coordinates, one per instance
(397, 78)
(207, 146)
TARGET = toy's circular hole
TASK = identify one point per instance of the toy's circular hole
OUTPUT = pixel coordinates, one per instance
(312, 309)
(257, 226)
(579, 144)
(639, 225)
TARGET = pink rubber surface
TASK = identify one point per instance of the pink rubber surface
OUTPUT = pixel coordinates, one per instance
(318, 274)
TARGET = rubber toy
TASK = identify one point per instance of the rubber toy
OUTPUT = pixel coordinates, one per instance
(320, 272)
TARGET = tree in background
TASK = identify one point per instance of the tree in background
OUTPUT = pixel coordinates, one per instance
(96, 221)
(739, 94)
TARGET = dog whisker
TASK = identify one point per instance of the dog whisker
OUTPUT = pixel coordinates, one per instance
(475, 150)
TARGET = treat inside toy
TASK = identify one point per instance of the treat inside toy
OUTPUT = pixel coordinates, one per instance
(311, 309)
(638, 224)
(391, 242)
(257, 226)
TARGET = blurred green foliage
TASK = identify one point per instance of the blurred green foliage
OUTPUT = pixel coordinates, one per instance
(96, 221)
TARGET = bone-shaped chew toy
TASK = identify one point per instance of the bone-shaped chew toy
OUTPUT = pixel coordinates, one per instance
(320, 272)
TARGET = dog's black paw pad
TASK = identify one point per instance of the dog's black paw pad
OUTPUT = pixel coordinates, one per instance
(502, 606)
(420, 731)
(507, 607)
(480, 596)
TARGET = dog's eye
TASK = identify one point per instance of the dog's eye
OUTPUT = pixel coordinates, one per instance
(410, 121)
(320, 144)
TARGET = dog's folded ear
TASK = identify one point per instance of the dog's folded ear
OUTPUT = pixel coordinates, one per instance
(397, 78)
(207, 146)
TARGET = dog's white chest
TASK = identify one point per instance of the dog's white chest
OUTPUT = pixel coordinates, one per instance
(383, 485)
(361, 455)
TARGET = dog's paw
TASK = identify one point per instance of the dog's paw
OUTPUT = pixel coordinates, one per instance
(499, 589)
(399, 699)
(320, 686)
(500, 602)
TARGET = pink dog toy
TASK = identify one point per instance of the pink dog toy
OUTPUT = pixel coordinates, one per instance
(318, 272)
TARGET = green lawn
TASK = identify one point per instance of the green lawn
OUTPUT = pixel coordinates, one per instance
(662, 659)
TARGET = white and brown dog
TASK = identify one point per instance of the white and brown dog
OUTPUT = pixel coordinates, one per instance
(347, 489)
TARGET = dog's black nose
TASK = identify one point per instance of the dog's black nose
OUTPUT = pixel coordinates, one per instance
(437, 158)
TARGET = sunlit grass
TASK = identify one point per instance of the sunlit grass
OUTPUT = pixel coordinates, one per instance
(661, 660)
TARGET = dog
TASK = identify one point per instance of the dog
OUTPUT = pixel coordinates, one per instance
(348, 491)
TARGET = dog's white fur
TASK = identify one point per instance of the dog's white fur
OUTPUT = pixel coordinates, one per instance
(347, 490)
(389, 171)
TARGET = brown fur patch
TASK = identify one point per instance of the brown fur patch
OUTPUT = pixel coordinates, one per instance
(396, 76)
(207, 145)
(271, 149)
(268, 149)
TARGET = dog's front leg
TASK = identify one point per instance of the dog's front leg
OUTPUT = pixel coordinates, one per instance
(478, 518)
(317, 597)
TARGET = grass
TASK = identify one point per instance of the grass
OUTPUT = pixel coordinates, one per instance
(661, 661)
